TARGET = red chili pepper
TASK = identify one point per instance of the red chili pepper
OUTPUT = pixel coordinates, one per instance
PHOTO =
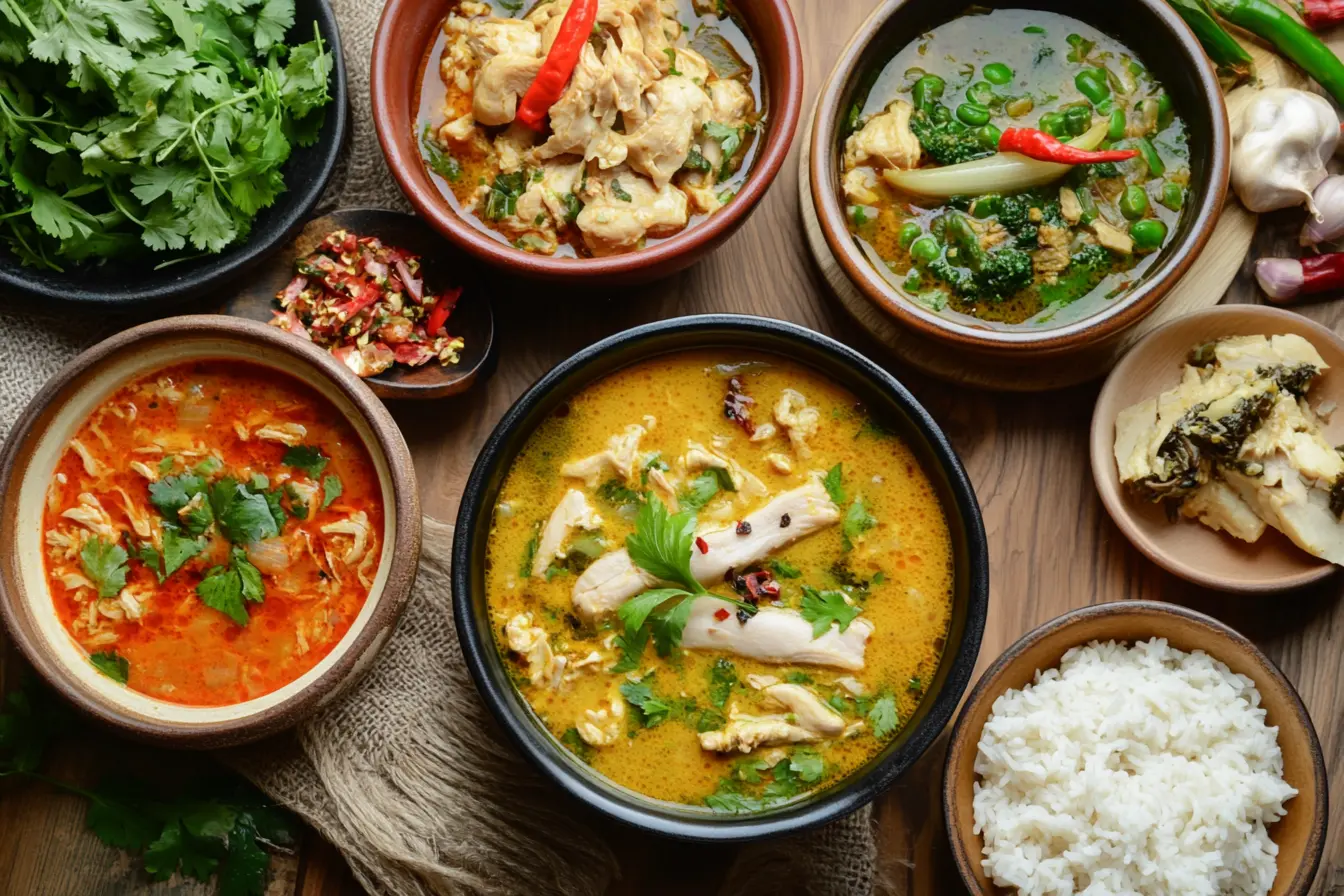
(559, 64)
(1284, 279)
(702, 545)
(761, 584)
(1320, 14)
(1039, 145)
(721, 614)
(438, 316)
(368, 294)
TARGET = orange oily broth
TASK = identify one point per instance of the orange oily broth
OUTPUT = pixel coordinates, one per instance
(910, 546)
(181, 650)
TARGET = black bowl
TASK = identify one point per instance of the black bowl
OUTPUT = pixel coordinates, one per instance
(881, 394)
(307, 172)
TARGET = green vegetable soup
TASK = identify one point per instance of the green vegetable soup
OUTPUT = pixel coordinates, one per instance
(1045, 248)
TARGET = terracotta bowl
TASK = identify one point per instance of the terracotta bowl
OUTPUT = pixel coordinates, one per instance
(405, 34)
(1300, 834)
(26, 467)
(1186, 548)
(1167, 47)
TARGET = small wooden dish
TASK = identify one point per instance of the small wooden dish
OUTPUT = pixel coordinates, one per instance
(444, 267)
(1186, 548)
(40, 437)
(1300, 834)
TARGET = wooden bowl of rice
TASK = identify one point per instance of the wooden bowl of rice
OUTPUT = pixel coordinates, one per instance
(1299, 834)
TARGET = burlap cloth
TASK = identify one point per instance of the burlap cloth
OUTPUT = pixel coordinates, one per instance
(407, 774)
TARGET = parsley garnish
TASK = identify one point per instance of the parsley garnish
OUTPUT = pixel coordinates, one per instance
(672, 60)
(650, 710)
(824, 608)
(834, 484)
(165, 465)
(243, 516)
(530, 554)
(883, 716)
(331, 490)
(695, 161)
(229, 589)
(857, 521)
(104, 565)
(306, 458)
(783, 569)
(730, 139)
(722, 680)
(172, 493)
(619, 192)
(577, 745)
(616, 493)
(440, 162)
(177, 550)
(502, 200)
(702, 489)
(112, 664)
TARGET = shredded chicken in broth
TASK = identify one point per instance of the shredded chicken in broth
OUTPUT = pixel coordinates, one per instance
(654, 128)
(212, 531)
(802, 589)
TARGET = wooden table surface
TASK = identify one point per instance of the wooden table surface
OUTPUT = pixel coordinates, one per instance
(1052, 546)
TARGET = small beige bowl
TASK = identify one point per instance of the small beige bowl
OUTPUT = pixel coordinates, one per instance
(1186, 548)
(1300, 834)
(29, 460)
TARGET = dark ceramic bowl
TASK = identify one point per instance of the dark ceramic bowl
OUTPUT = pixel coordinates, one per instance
(406, 32)
(306, 176)
(1164, 44)
(34, 448)
(881, 394)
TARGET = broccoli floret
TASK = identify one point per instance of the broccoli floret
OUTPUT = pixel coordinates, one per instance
(1091, 257)
(948, 143)
(1014, 214)
(1087, 267)
(1003, 273)
(959, 279)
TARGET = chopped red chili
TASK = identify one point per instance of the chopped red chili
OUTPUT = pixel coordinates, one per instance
(743, 528)
(1039, 145)
(702, 545)
(760, 585)
(721, 614)
(546, 88)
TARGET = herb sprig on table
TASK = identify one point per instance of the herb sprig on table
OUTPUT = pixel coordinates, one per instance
(148, 124)
(210, 826)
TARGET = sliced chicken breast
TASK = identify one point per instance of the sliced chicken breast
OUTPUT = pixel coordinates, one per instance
(573, 512)
(774, 635)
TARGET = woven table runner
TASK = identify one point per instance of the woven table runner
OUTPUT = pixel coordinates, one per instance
(407, 775)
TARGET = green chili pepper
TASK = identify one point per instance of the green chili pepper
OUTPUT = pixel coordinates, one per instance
(1150, 157)
(910, 231)
(940, 114)
(927, 90)
(961, 234)
(1173, 197)
(913, 281)
(989, 204)
(1077, 120)
(1019, 106)
(973, 114)
(1134, 202)
(1148, 234)
(1290, 37)
(1225, 50)
(1116, 130)
(988, 135)
(1053, 124)
(1092, 84)
(925, 250)
(1165, 112)
(982, 94)
(1087, 204)
(997, 73)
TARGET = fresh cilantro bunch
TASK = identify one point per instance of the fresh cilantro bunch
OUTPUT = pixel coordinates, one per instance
(134, 125)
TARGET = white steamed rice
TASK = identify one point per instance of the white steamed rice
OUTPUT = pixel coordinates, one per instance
(1130, 770)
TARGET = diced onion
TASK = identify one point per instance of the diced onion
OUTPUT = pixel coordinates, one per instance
(270, 556)
(1004, 172)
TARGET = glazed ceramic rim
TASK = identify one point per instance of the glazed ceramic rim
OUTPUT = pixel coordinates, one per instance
(786, 99)
(490, 676)
(1101, 434)
(990, 687)
(292, 210)
(230, 337)
(1135, 304)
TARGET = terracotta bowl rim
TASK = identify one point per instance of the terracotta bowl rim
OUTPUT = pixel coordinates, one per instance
(990, 687)
(1136, 304)
(1101, 436)
(389, 602)
(786, 100)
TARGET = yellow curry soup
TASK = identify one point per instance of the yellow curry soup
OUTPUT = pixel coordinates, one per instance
(663, 433)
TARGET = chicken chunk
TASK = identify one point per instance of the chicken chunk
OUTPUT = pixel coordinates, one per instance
(861, 186)
(602, 727)
(502, 80)
(733, 103)
(92, 465)
(1069, 206)
(534, 645)
(614, 578)
(885, 140)
(619, 457)
(573, 123)
(90, 514)
(360, 532)
(798, 420)
(289, 434)
(621, 209)
(807, 708)
(489, 37)
(745, 483)
(746, 733)
(774, 635)
(573, 512)
(659, 147)
(1112, 237)
(1053, 256)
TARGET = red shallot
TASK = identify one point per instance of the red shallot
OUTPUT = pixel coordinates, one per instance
(1284, 279)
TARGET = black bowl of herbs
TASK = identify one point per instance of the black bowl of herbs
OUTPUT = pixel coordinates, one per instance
(156, 154)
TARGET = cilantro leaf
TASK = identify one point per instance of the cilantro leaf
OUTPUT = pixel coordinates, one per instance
(439, 161)
(616, 493)
(668, 625)
(825, 608)
(783, 569)
(172, 493)
(104, 565)
(249, 577)
(530, 553)
(834, 484)
(297, 506)
(730, 139)
(222, 590)
(661, 544)
(178, 549)
(699, 491)
(722, 680)
(732, 803)
(883, 716)
(307, 458)
(244, 517)
(636, 610)
(650, 709)
(857, 521)
(273, 20)
(807, 765)
(577, 745)
(117, 818)
(632, 648)
(112, 664)
(149, 555)
(331, 490)
(244, 871)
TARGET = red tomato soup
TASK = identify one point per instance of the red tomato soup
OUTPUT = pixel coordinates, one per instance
(212, 531)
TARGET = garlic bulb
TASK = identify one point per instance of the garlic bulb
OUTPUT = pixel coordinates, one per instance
(1328, 225)
(1281, 144)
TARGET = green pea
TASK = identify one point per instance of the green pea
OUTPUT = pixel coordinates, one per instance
(1165, 112)
(1134, 202)
(1092, 84)
(925, 250)
(1019, 106)
(1148, 234)
(1077, 120)
(928, 90)
(988, 135)
(1053, 124)
(913, 281)
(1173, 197)
(1116, 129)
(973, 114)
(997, 73)
(982, 94)
(909, 232)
